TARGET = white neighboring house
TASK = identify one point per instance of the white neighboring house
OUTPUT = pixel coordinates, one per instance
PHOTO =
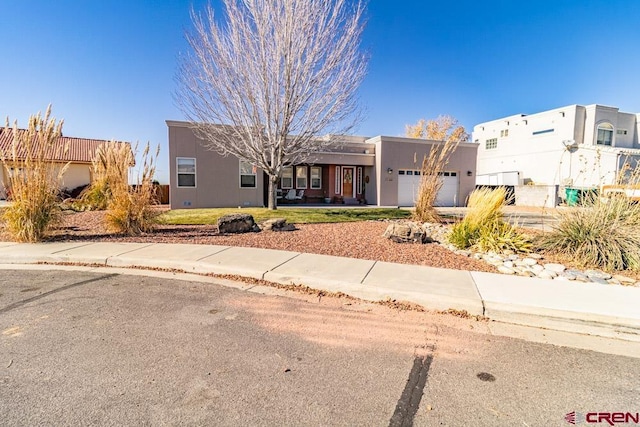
(578, 146)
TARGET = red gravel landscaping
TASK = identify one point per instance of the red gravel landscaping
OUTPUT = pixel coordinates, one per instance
(351, 239)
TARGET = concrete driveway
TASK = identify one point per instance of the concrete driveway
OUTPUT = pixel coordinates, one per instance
(529, 217)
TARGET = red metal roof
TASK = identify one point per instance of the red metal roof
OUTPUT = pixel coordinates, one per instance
(80, 150)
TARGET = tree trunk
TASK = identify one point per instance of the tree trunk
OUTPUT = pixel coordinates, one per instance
(273, 203)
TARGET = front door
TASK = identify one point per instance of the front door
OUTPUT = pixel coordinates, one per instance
(348, 182)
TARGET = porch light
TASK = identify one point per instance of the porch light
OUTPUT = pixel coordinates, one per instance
(389, 171)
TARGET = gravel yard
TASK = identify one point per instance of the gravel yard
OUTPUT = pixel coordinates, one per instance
(353, 239)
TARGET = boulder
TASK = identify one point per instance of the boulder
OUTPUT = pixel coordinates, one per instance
(237, 223)
(434, 233)
(405, 233)
(277, 224)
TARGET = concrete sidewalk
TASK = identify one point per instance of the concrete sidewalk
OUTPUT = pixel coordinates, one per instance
(589, 308)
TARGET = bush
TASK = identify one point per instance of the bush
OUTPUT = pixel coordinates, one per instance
(131, 208)
(33, 181)
(483, 228)
(601, 233)
(110, 167)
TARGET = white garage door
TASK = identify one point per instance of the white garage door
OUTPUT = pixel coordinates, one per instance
(409, 184)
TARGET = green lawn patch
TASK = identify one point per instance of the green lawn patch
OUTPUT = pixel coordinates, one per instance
(292, 215)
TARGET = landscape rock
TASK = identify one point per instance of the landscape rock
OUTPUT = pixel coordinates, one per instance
(506, 270)
(597, 274)
(582, 278)
(237, 223)
(435, 233)
(599, 280)
(566, 275)
(526, 273)
(408, 232)
(277, 224)
(556, 268)
(529, 261)
(547, 274)
(624, 279)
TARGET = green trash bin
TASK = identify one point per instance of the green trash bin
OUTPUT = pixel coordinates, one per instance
(572, 196)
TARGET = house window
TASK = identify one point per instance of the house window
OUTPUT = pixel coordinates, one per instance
(316, 177)
(621, 132)
(186, 168)
(286, 181)
(301, 177)
(605, 134)
(490, 144)
(360, 181)
(504, 133)
(247, 175)
(338, 179)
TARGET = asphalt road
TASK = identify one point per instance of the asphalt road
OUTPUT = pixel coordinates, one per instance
(81, 348)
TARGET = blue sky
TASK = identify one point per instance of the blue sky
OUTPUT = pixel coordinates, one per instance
(108, 66)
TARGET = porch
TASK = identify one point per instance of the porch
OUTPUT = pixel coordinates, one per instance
(323, 184)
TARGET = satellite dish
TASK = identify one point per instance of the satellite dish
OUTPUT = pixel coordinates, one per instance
(570, 145)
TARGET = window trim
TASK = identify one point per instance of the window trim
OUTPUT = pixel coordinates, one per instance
(194, 173)
(282, 186)
(253, 174)
(319, 170)
(605, 127)
(306, 177)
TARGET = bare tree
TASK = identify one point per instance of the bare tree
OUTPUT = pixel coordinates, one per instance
(266, 83)
(443, 128)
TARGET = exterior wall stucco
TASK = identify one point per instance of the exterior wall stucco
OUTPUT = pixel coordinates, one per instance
(217, 177)
(408, 153)
(76, 175)
(534, 145)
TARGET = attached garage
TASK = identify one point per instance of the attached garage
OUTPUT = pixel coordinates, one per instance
(409, 184)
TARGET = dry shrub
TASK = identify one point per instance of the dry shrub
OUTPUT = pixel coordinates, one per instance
(444, 128)
(33, 180)
(483, 228)
(601, 232)
(431, 180)
(131, 208)
(110, 167)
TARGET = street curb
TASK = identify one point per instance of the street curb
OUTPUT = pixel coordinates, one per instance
(602, 310)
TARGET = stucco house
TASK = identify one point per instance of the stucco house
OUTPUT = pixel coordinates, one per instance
(379, 171)
(79, 153)
(574, 146)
